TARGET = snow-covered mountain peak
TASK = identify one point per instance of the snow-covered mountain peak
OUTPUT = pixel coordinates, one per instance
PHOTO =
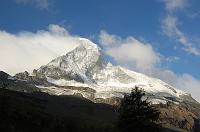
(76, 64)
(88, 44)
(86, 49)
(85, 66)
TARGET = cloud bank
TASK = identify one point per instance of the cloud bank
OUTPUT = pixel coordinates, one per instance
(130, 51)
(28, 50)
(190, 84)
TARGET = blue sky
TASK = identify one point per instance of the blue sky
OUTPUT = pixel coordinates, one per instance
(170, 27)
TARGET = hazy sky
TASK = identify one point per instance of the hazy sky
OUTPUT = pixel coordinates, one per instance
(157, 37)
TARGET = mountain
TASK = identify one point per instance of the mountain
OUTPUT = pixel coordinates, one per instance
(84, 71)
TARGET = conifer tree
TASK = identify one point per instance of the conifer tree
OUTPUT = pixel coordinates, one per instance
(137, 114)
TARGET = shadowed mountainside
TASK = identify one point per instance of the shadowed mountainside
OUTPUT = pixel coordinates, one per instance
(22, 112)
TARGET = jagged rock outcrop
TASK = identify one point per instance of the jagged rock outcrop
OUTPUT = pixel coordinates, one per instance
(178, 116)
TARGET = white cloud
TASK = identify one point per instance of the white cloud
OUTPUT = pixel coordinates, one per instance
(57, 29)
(172, 58)
(108, 39)
(129, 52)
(185, 82)
(42, 4)
(173, 5)
(170, 24)
(189, 84)
(170, 28)
(28, 50)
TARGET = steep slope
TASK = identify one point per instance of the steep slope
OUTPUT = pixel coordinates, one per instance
(85, 67)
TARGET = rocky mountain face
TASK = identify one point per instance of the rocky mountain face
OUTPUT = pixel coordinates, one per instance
(11, 83)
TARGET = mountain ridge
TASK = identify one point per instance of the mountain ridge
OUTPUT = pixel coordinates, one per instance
(85, 66)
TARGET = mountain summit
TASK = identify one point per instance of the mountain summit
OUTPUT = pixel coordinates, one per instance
(92, 77)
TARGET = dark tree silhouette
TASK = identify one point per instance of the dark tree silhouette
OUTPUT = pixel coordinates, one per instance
(137, 114)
